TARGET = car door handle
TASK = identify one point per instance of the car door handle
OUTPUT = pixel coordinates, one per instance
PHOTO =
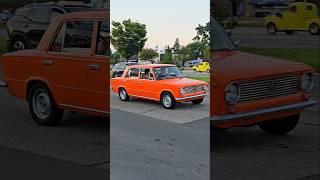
(94, 67)
(139, 82)
(47, 62)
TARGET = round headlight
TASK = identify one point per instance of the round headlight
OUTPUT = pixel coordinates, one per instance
(182, 91)
(231, 93)
(206, 88)
(307, 82)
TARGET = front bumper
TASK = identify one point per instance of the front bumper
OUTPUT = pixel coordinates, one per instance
(261, 112)
(192, 97)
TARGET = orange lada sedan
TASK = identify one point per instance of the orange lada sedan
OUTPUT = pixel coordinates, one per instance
(248, 89)
(159, 82)
(69, 70)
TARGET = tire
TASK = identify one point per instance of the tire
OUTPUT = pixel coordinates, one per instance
(43, 108)
(167, 100)
(289, 32)
(314, 29)
(272, 28)
(197, 101)
(123, 95)
(216, 130)
(18, 44)
(114, 75)
(280, 126)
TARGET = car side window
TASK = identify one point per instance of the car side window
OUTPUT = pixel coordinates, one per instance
(103, 41)
(293, 9)
(58, 42)
(134, 73)
(55, 12)
(145, 74)
(309, 8)
(41, 15)
(78, 36)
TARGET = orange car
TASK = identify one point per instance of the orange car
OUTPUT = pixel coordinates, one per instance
(69, 70)
(159, 82)
(248, 89)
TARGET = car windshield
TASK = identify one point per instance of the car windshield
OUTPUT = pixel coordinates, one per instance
(167, 72)
(219, 39)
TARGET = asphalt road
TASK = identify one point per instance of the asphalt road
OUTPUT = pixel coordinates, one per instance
(248, 153)
(258, 37)
(145, 148)
(79, 146)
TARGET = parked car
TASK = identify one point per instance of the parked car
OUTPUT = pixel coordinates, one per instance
(301, 16)
(59, 75)
(118, 69)
(249, 89)
(202, 67)
(159, 82)
(192, 63)
(30, 22)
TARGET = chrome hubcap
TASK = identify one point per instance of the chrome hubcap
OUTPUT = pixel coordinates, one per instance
(123, 94)
(18, 45)
(314, 29)
(167, 100)
(272, 29)
(41, 104)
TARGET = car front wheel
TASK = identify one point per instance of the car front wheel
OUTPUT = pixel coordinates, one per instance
(42, 107)
(197, 101)
(167, 100)
(123, 95)
(314, 29)
(280, 126)
(272, 29)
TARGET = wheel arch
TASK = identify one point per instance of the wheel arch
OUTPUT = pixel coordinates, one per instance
(32, 82)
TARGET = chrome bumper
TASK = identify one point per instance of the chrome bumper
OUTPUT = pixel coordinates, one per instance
(192, 97)
(3, 84)
(264, 111)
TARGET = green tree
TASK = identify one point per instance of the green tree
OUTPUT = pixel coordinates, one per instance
(167, 57)
(203, 34)
(128, 37)
(176, 47)
(148, 54)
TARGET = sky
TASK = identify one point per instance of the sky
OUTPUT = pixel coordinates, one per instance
(165, 20)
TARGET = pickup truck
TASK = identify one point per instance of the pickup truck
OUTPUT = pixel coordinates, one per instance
(300, 16)
(69, 69)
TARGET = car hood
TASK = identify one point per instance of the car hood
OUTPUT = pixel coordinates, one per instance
(237, 65)
(182, 82)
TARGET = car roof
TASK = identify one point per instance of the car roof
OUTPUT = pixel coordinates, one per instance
(150, 65)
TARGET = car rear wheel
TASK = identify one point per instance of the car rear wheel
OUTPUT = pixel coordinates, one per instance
(280, 126)
(42, 106)
(271, 28)
(314, 29)
(123, 95)
(197, 101)
(167, 100)
(18, 44)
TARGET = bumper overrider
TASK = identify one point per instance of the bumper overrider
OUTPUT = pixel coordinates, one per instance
(246, 115)
(3, 84)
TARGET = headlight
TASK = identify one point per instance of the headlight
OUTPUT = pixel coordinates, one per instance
(182, 91)
(307, 82)
(231, 93)
(206, 88)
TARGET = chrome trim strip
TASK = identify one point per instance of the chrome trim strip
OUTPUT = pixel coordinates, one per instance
(190, 97)
(264, 111)
(86, 109)
(3, 84)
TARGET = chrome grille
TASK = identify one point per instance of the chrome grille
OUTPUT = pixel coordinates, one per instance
(194, 89)
(269, 88)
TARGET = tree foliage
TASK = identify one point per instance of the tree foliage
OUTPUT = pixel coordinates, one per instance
(148, 54)
(128, 37)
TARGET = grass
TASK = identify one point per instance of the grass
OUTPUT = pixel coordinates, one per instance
(3, 45)
(202, 78)
(303, 55)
